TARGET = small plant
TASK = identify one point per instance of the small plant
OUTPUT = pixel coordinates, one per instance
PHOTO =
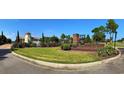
(74, 45)
(17, 45)
(12, 48)
(66, 47)
(43, 45)
(20, 45)
(33, 45)
(107, 51)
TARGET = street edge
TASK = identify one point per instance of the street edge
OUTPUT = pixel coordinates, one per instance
(66, 66)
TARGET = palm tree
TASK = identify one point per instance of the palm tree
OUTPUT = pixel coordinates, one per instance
(95, 30)
(115, 39)
(112, 27)
(102, 29)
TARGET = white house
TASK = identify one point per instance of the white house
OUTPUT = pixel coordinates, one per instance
(36, 40)
(27, 37)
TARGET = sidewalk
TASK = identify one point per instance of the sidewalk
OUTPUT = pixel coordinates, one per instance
(5, 46)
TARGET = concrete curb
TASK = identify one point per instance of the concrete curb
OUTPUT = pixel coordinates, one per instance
(66, 66)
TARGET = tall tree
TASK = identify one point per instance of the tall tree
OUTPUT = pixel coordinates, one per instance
(63, 36)
(43, 39)
(99, 34)
(115, 39)
(112, 27)
(88, 39)
(3, 38)
(102, 29)
(2, 34)
(95, 30)
(9, 40)
(17, 37)
(68, 39)
(54, 40)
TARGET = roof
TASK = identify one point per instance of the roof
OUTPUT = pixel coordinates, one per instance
(28, 33)
(36, 38)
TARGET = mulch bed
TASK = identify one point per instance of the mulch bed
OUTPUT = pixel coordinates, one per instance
(88, 47)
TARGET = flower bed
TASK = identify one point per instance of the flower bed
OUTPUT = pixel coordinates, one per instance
(88, 47)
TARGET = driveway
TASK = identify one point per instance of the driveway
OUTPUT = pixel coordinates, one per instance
(9, 64)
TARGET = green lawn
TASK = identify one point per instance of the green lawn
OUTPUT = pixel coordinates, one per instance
(120, 44)
(57, 55)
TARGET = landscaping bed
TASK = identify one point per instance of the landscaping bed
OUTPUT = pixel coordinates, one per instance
(57, 55)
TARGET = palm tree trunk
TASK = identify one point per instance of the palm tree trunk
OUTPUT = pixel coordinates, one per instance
(115, 39)
(110, 36)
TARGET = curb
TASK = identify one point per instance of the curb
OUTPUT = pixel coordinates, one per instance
(66, 66)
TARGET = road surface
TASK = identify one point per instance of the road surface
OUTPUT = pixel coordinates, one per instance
(9, 64)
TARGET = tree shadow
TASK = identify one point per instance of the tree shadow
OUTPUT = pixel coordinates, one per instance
(3, 53)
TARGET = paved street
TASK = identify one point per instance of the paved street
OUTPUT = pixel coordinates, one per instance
(9, 64)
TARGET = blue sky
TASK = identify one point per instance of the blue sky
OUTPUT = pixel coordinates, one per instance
(54, 26)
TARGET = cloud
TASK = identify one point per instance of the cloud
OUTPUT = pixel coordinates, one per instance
(13, 33)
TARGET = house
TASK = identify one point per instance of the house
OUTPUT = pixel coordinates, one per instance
(29, 39)
(36, 40)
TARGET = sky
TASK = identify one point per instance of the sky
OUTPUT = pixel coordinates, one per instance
(54, 26)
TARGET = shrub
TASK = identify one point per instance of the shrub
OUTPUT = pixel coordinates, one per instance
(12, 48)
(107, 51)
(66, 47)
(27, 45)
(20, 45)
(9, 41)
(14, 45)
(23, 45)
(17, 45)
(74, 45)
(109, 44)
(102, 52)
(33, 45)
(53, 44)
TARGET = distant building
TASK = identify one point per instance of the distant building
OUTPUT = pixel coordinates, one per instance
(27, 37)
(76, 38)
(36, 40)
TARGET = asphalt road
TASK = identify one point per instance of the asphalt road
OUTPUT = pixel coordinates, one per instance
(9, 64)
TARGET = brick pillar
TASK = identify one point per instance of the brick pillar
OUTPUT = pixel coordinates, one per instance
(76, 38)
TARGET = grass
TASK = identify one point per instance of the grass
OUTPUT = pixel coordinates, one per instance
(120, 44)
(57, 55)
